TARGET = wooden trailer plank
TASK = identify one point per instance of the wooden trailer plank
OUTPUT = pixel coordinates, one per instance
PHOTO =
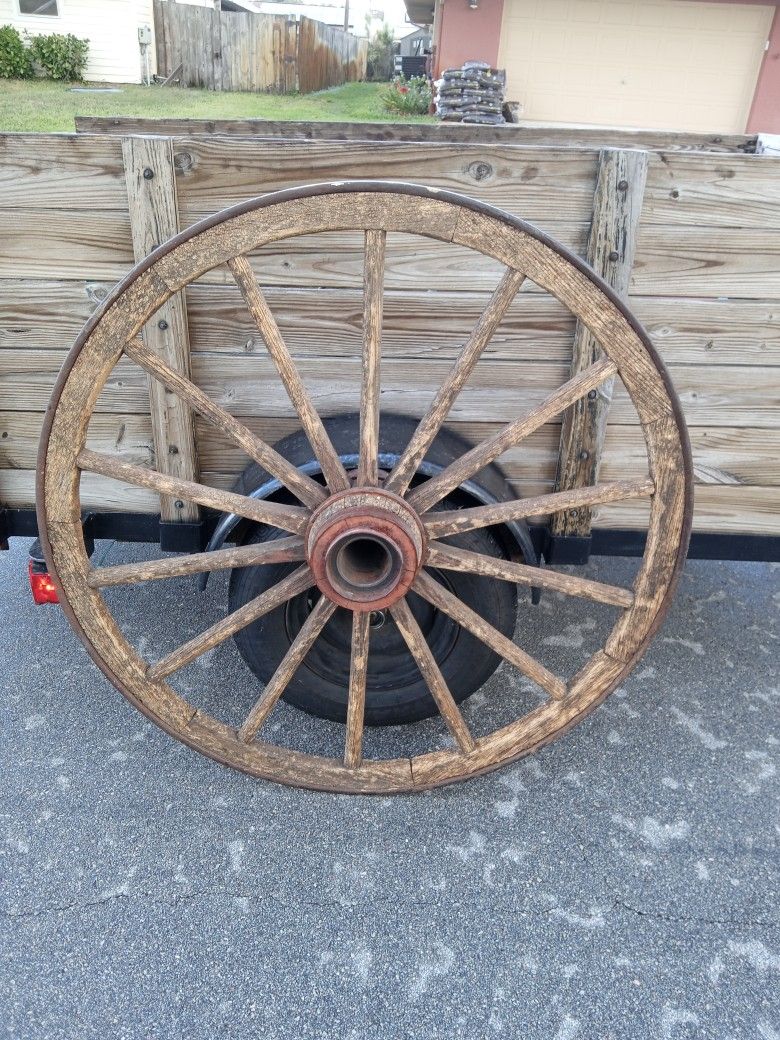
(154, 218)
(722, 509)
(617, 206)
(737, 191)
(37, 314)
(77, 172)
(54, 243)
(129, 437)
(61, 171)
(698, 262)
(17, 490)
(420, 324)
(695, 262)
(27, 379)
(707, 261)
(534, 183)
(549, 136)
(721, 455)
(537, 184)
(498, 391)
(48, 314)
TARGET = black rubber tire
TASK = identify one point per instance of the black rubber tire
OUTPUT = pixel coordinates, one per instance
(396, 692)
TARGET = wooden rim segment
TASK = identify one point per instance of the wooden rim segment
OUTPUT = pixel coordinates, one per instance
(377, 209)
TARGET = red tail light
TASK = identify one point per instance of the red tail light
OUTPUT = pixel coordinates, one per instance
(41, 583)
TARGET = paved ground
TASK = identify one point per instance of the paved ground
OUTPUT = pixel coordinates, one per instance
(623, 883)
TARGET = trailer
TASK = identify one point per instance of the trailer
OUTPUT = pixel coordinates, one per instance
(392, 379)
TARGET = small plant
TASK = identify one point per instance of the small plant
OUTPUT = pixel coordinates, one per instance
(60, 56)
(408, 97)
(15, 60)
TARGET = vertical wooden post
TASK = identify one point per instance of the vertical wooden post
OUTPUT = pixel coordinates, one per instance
(151, 194)
(216, 48)
(617, 205)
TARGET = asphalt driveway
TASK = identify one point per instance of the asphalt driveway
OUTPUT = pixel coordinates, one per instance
(622, 883)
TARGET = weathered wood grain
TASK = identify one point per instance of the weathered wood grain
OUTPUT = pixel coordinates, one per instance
(288, 518)
(370, 386)
(300, 397)
(449, 557)
(462, 133)
(40, 314)
(522, 182)
(61, 172)
(280, 680)
(295, 583)
(47, 314)
(154, 218)
(280, 550)
(497, 392)
(429, 669)
(445, 396)
(434, 489)
(444, 600)
(85, 244)
(439, 524)
(617, 205)
(356, 702)
(128, 436)
(309, 492)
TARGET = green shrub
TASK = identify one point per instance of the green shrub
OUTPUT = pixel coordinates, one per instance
(379, 65)
(60, 57)
(15, 60)
(409, 97)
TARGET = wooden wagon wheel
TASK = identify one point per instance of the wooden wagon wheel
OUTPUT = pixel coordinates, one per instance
(395, 517)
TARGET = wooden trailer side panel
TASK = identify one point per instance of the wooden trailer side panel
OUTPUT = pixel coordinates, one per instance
(705, 282)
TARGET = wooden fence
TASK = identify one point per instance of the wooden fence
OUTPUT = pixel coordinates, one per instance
(705, 281)
(223, 50)
(328, 57)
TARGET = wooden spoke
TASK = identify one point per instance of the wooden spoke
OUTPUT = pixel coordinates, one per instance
(358, 672)
(429, 426)
(450, 558)
(309, 491)
(455, 521)
(433, 490)
(280, 680)
(281, 550)
(421, 652)
(332, 469)
(299, 581)
(288, 518)
(373, 289)
(449, 604)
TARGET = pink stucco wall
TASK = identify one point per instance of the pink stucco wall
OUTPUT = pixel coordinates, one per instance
(467, 34)
(765, 111)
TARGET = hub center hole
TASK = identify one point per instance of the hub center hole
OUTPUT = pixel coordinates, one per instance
(363, 562)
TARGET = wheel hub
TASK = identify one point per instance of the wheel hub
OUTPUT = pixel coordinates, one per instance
(365, 547)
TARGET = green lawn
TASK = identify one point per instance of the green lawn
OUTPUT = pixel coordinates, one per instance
(46, 106)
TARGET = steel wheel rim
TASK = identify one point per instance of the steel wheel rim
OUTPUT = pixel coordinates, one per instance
(284, 214)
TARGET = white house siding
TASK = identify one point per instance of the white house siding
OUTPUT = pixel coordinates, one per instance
(111, 26)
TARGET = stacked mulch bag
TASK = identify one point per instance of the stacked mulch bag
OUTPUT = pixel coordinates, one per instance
(473, 93)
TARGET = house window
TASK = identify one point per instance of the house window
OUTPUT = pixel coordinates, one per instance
(44, 7)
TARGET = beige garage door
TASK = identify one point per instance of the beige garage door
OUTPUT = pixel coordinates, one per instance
(660, 64)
